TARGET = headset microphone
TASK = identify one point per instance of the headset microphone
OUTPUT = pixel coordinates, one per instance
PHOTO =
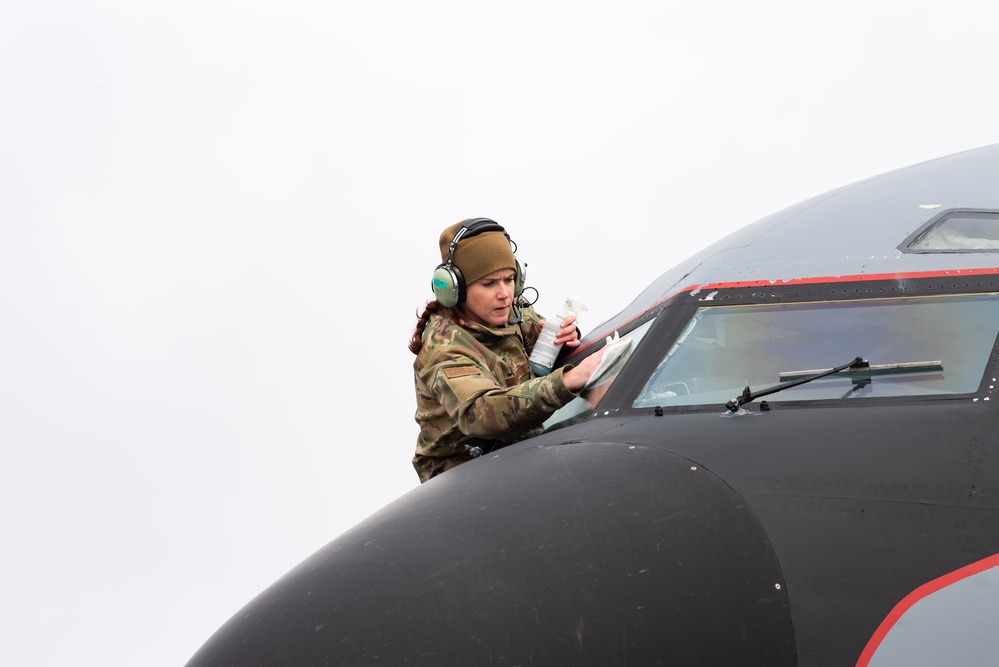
(516, 313)
(519, 303)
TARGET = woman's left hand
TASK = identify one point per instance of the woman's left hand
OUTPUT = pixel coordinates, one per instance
(568, 334)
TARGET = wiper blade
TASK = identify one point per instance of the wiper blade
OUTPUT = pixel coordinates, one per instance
(871, 370)
(748, 396)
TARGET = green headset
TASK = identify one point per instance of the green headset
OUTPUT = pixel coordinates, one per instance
(449, 285)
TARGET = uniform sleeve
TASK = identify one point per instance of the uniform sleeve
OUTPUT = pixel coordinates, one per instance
(483, 408)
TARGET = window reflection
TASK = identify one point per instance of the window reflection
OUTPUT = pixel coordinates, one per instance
(726, 348)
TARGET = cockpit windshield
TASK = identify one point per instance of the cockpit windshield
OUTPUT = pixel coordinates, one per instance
(920, 346)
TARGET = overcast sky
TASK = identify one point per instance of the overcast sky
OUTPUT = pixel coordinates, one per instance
(218, 220)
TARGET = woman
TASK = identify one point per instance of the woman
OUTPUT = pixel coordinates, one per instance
(474, 387)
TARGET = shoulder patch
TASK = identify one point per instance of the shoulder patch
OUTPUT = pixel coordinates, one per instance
(460, 371)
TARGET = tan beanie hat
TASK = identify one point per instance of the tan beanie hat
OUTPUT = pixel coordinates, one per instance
(479, 255)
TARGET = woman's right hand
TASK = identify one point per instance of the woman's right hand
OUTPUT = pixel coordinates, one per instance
(575, 378)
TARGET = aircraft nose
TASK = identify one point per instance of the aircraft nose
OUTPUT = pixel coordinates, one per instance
(587, 553)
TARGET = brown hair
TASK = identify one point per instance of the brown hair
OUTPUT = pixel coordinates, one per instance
(416, 342)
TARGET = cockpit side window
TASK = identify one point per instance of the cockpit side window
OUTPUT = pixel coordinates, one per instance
(915, 346)
(959, 230)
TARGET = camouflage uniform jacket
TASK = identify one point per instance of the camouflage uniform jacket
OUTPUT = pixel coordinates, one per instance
(474, 387)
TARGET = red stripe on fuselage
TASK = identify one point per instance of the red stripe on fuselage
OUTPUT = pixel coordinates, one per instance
(915, 596)
(794, 281)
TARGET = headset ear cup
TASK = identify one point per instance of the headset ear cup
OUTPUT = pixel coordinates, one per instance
(448, 285)
(519, 278)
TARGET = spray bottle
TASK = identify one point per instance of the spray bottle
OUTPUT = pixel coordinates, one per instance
(545, 350)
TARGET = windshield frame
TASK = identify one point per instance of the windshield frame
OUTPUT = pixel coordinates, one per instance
(675, 314)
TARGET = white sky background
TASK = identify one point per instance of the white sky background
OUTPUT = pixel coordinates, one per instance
(218, 220)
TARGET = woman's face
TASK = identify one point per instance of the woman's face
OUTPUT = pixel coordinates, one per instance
(489, 299)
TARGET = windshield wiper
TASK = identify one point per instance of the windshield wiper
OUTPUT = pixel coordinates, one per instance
(869, 371)
(748, 396)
